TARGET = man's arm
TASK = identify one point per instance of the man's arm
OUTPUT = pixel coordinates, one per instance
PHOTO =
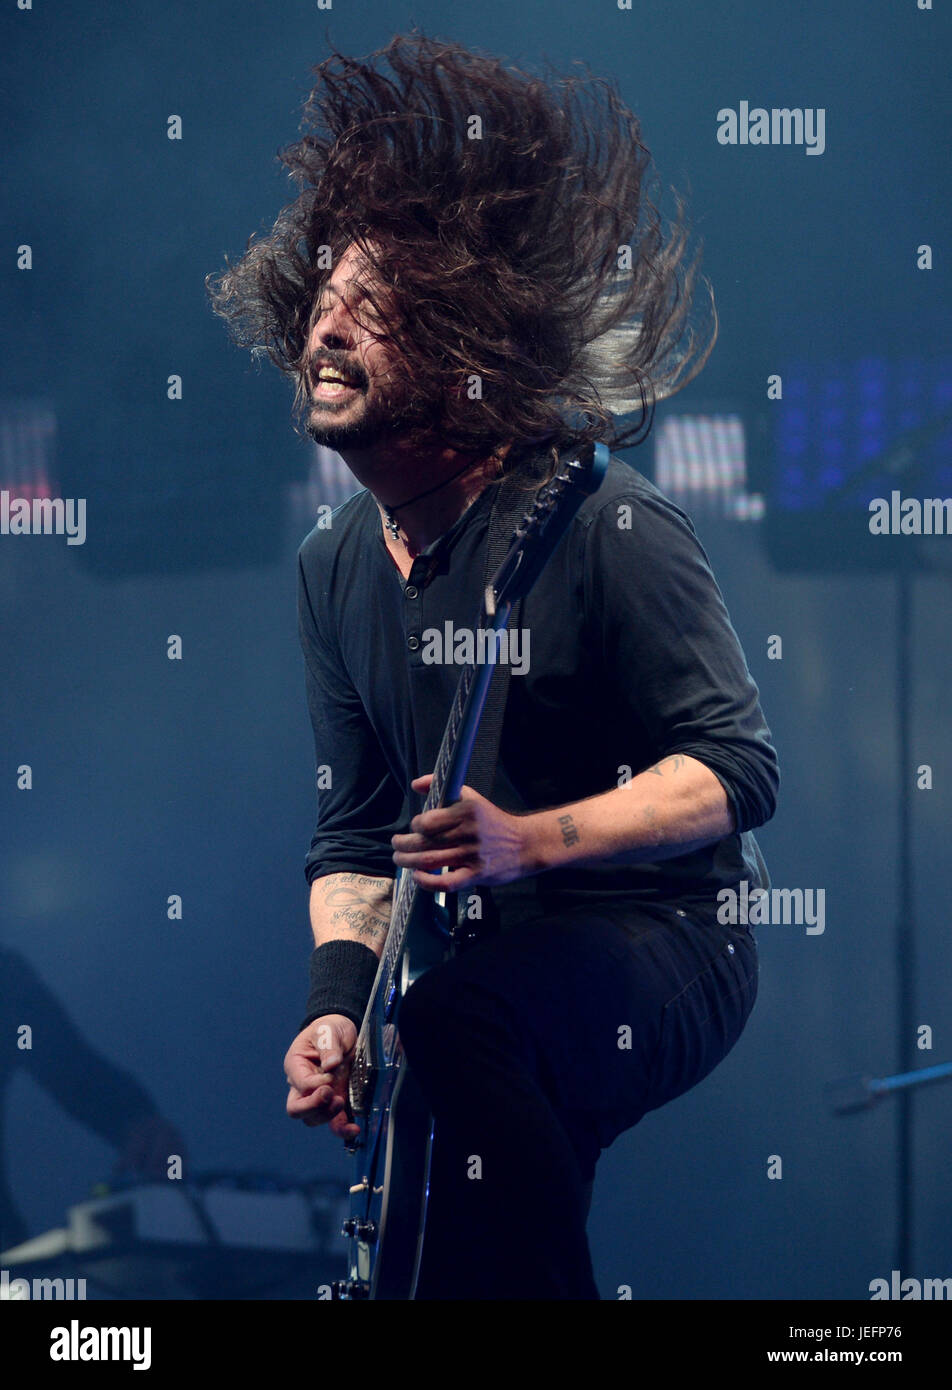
(672, 808)
(676, 670)
(355, 907)
(360, 803)
(676, 806)
(359, 806)
(349, 907)
(679, 673)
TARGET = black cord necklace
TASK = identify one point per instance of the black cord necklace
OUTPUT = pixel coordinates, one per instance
(393, 525)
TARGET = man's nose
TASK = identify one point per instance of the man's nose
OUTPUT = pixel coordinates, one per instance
(334, 328)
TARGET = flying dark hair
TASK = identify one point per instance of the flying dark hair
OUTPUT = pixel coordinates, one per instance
(508, 219)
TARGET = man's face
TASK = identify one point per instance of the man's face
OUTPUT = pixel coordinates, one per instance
(357, 394)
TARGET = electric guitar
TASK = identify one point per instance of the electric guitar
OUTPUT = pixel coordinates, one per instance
(387, 1222)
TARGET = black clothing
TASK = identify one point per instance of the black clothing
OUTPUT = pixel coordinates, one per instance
(535, 1050)
(612, 988)
(632, 657)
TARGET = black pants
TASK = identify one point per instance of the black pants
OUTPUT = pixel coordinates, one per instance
(535, 1049)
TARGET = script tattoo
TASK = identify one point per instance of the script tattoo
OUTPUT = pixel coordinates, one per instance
(357, 903)
(676, 760)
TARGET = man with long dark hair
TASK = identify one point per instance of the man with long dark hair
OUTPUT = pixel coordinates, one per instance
(473, 276)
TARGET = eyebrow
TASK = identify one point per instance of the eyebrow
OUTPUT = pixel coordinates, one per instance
(320, 304)
(357, 297)
(359, 292)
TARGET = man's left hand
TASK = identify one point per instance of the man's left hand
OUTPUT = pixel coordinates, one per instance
(475, 840)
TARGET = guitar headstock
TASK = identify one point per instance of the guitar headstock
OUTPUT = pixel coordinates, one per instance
(579, 474)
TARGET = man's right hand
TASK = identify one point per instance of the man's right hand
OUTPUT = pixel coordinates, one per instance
(317, 1068)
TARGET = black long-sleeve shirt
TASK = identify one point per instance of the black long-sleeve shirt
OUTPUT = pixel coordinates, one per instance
(632, 657)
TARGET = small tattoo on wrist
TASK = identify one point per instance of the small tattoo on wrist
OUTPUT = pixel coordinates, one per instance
(569, 830)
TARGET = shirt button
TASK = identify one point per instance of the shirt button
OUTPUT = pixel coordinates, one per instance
(410, 591)
(413, 643)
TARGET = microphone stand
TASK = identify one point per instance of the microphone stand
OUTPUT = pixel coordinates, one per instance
(850, 1094)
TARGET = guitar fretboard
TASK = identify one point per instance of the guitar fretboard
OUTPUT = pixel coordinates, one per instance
(408, 887)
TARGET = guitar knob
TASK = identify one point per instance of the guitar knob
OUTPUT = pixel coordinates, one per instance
(349, 1227)
(366, 1230)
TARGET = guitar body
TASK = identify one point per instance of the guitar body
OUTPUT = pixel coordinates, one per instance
(387, 1221)
(392, 1157)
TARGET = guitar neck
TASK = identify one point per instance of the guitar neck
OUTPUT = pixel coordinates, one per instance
(449, 774)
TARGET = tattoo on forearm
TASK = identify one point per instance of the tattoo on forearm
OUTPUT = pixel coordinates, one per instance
(675, 761)
(569, 830)
(356, 903)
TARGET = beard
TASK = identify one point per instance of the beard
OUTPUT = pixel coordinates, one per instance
(365, 423)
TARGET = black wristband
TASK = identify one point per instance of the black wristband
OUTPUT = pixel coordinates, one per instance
(342, 976)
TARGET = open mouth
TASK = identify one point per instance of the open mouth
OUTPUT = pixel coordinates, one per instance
(331, 384)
